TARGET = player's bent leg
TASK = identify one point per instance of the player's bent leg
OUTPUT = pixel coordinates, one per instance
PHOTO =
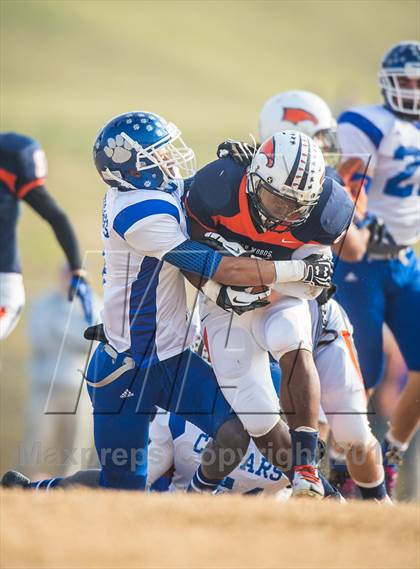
(344, 401)
(403, 314)
(122, 399)
(284, 329)
(406, 416)
(12, 301)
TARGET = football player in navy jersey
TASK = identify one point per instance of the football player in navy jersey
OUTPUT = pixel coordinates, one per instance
(23, 170)
(308, 113)
(280, 208)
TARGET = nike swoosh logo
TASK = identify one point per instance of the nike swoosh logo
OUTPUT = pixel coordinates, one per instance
(238, 301)
(288, 242)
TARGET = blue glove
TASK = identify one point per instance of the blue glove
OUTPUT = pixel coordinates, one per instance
(81, 288)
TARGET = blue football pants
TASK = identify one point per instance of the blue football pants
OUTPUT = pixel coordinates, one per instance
(376, 291)
(184, 384)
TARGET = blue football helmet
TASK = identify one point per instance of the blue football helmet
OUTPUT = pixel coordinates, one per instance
(141, 150)
(399, 78)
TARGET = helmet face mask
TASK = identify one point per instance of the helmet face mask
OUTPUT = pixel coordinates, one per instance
(327, 140)
(399, 79)
(284, 180)
(141, 150)
(275, 209)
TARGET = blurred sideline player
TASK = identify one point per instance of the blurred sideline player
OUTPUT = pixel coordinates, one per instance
(273, 209)
(176, 445)
(385, 285)
(23, 169)
(143, 358)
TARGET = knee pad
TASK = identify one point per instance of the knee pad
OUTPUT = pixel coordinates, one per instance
(231, 352)
(285, 327)
(351, 431)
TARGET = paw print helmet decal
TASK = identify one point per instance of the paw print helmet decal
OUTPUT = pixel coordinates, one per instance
(141, 150)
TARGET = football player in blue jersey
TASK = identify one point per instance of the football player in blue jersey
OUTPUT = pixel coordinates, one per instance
(23, 170)
(385, 285)
(143, 358)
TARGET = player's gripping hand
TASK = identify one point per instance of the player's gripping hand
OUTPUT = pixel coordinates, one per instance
(380, 238)
(240, 152)
(80, 287)
(318, 270)
(240, 299)
(216, 241)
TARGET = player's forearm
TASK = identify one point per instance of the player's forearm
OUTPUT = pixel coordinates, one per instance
(240, 271)
(353, 246)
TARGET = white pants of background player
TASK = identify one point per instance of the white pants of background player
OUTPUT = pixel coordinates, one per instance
(239, 347)
(12, 301)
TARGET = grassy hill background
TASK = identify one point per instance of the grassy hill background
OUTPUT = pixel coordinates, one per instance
(68, 66)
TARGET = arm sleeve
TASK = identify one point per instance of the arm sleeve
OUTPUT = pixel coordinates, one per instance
(31, 169)
(44, 204)
(161, 448)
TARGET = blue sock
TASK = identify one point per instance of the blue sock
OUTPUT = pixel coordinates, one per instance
(376, 493)
(304, 447)
(201, 483)
(329, 490)
(46, 484)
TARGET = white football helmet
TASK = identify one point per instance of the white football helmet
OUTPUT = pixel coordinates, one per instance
(284, 180)
(302, 111)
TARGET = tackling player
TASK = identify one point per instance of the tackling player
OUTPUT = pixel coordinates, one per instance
(143, 359)
(23, 170)
(385, 285)
(272, 209)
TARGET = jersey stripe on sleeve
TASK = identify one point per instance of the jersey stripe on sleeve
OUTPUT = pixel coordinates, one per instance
(140, 210)
(374, 134)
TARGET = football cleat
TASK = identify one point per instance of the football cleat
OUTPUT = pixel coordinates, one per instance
(306, 483)
(14, 479)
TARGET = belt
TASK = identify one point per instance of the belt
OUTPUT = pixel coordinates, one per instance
(390, 253)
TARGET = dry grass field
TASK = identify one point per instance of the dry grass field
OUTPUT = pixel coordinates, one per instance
(85, 529)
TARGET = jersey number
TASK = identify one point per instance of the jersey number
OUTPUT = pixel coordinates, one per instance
(395, 185)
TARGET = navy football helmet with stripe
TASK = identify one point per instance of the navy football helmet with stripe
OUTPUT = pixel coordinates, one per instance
(141, 150)
(399, 78)
(285, 180)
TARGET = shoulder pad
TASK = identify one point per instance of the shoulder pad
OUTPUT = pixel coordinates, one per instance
(331, 216)
(375, 121)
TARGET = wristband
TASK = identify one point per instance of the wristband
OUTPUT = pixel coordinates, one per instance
(289, 271)
(211, 289)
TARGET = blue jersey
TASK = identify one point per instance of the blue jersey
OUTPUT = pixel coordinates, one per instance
(22, 168)
(389, 148)
(218, 201)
